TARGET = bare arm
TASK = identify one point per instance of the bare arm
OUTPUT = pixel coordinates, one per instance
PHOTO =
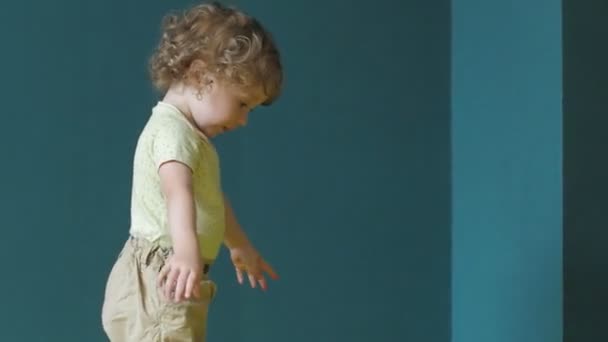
(183, 270)
(234, 235)
(243, 254)
(176, 185)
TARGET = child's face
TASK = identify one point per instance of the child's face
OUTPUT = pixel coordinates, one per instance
(223, 107)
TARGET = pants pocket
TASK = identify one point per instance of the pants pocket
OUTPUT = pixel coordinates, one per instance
(187, 320)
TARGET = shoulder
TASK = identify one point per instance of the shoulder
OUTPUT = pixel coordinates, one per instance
(169, 124)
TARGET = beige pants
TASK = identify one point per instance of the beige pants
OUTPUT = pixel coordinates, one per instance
(135, 310)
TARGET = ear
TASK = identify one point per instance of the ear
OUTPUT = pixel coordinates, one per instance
(198, 66)
(200, 75)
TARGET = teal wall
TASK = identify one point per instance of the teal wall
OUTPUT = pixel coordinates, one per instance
(344, 184)
(507, 171)
(407, 186)
(75, 95)
(585, 170)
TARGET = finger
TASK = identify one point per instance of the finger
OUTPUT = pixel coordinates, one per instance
(239, 275)
(170, 283)
(269, 270)
(263, 284)
(196, 290)
(190, 285)
(180, 286)
(252, 280)
(163, 274)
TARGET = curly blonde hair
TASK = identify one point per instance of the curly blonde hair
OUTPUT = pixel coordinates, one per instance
(233, 47)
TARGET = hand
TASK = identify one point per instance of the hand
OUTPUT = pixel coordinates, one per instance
(181, 277)
(247, 259)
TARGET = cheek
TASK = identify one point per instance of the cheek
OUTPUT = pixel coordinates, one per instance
(210, 112)
(226, 112)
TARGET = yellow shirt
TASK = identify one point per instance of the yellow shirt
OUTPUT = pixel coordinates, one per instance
(169, 136)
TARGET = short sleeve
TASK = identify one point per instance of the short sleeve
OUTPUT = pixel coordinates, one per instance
(174, 141)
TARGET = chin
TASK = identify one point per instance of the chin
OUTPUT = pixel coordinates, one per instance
(216, 133)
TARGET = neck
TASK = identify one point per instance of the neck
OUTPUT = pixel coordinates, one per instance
(176, 96)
